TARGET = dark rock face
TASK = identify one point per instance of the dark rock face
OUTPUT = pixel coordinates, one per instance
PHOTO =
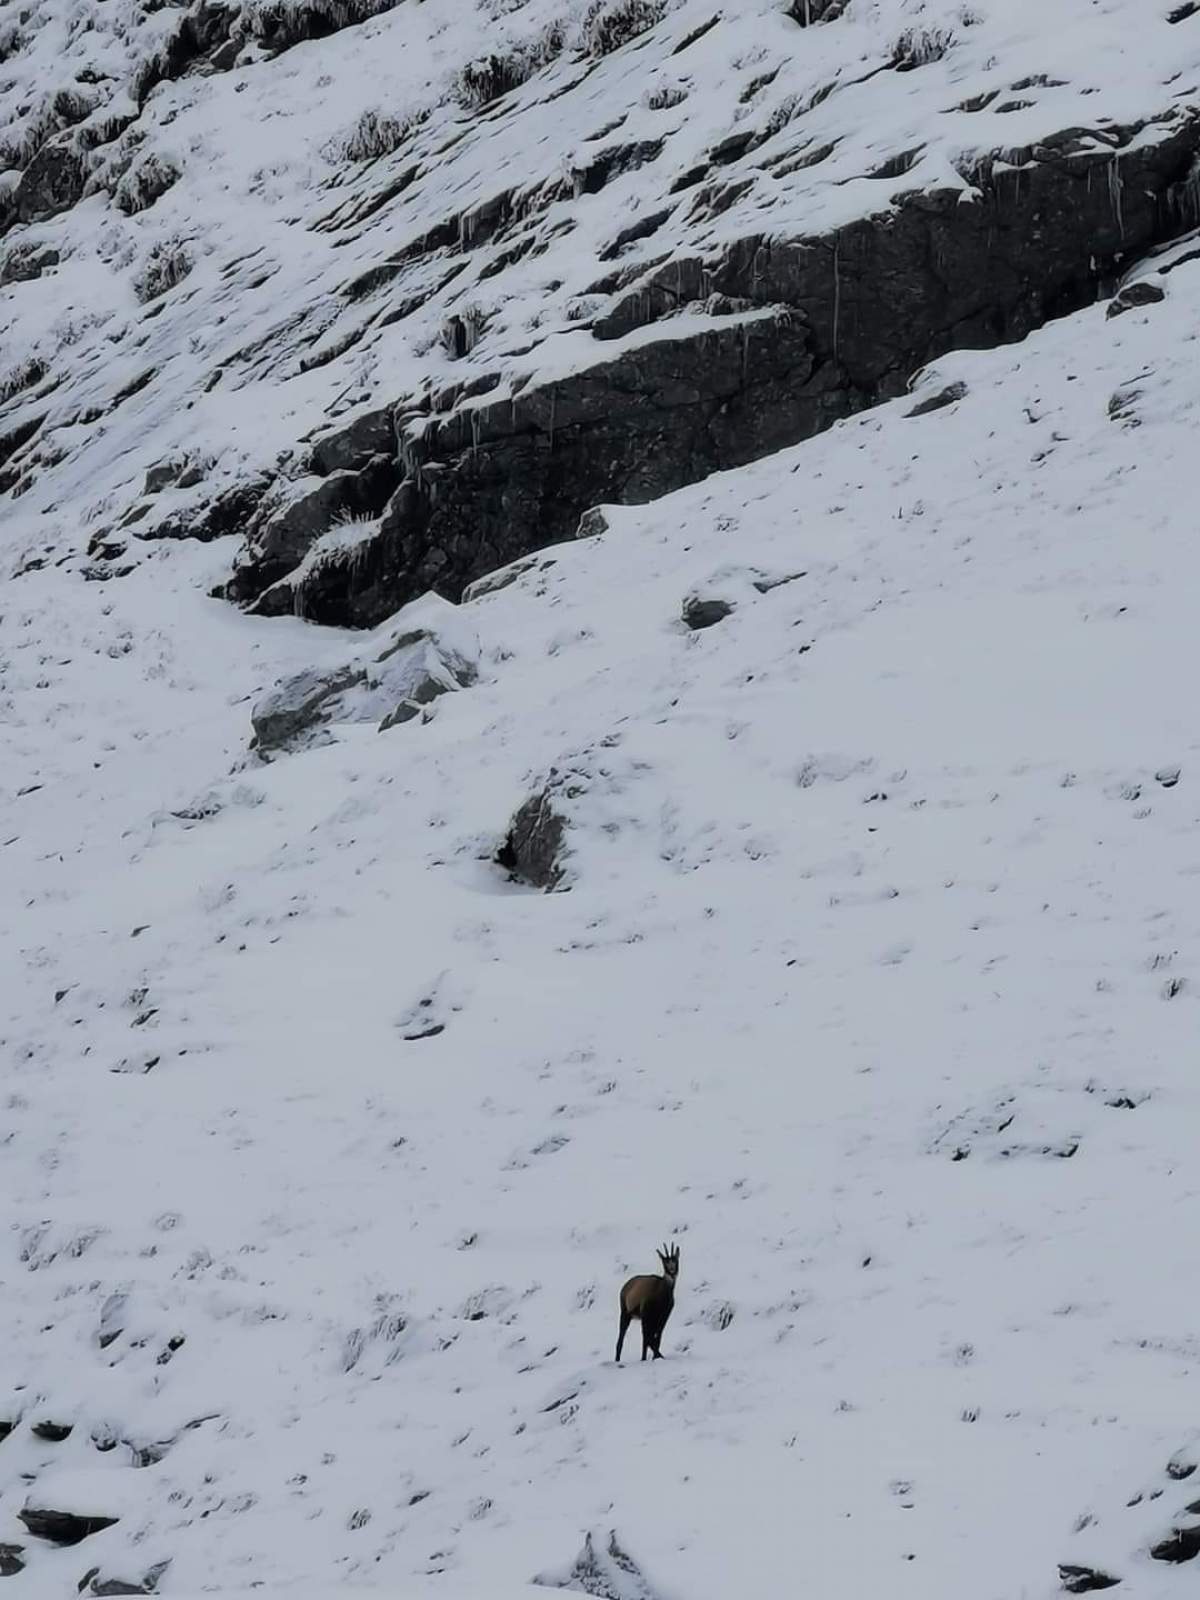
(283, 530)
(12, 1560)
(62, 1527)
(648, 421)
(840, 322)
(229, 511)
(534, 850)
(26, 262)
(52, 182)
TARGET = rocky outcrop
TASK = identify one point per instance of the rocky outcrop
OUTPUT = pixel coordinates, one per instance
(52, 182)
(394, 680)
(836, 324)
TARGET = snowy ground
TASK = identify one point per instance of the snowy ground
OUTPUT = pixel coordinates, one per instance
(873, 988)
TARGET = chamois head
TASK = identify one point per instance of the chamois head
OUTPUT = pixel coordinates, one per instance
(669, 1256)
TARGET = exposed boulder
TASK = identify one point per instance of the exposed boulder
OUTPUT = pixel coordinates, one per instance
(536, 848)
(1142, 292)
(12, 1560)
(101, 1582)
(704, 611)
(417, 669)
(294, 714)
(1084, 1580)
(493, 582)
(396, 676)
(63, 1527)
(592, 523)
(1181, 1544)
(947, 396)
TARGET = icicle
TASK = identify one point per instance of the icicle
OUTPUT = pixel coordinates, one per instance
(1114, 189)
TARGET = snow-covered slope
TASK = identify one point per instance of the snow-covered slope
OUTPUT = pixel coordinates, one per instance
(865, 775)
(326, 1145)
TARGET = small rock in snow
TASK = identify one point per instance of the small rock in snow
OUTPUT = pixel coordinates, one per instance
(1082, 1580)
(704, 611)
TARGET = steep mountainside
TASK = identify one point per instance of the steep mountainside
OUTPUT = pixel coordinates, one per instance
(798, 863)
(399, 299)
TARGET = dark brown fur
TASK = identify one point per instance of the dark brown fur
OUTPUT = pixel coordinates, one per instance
(651, 1299)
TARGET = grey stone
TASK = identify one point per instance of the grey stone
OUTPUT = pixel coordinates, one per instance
(12, 1560)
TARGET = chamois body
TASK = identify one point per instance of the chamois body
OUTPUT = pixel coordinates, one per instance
(650, 1298)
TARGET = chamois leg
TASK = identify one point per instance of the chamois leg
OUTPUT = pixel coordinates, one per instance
(625, 1321)
(654, 1332)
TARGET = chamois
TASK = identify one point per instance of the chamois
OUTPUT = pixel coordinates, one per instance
(651, 1300)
